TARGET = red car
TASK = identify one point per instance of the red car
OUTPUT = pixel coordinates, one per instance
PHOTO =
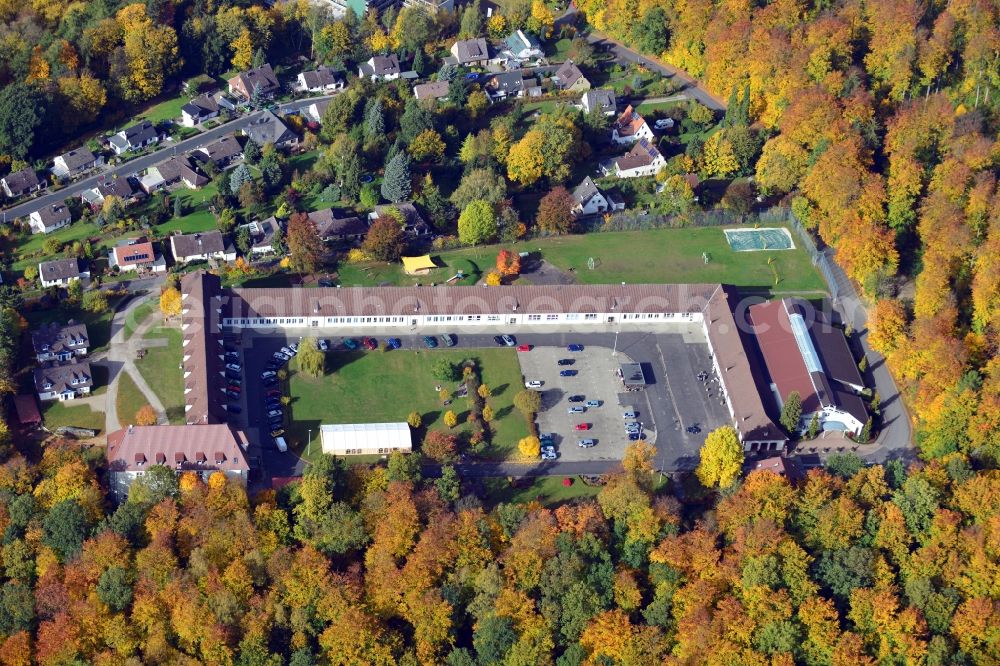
(233, 388)
(273, 393)
(583, 426)
(369, 343)
(524, 348)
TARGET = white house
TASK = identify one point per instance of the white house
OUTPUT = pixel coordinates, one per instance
(75, 162)
(63, 382)
(136, 255)
(20, 183)
(262, 235)
(381, 68)
(630, 127)
(321, 79)
(643, 159)
(198, 110)
(60, 342)
(133, 138)
(522, 47)
(202, 246)
(471, 52)
(346, 439)
(602, 99)
(49, 218)
(591, 201)
(60, 272)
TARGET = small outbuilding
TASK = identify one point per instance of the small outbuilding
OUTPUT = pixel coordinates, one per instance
(346, 439)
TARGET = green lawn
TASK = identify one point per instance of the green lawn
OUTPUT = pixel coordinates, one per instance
(548, 490)
(169, 109)
(161, 370)
(56, 414)
(197, 216)
(373, 387)
(655, 256)
(128, 401)
(557, 52)
(137, 316)
(30, 252)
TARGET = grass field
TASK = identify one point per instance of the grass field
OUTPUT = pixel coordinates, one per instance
(373, 387)
(169, 109)
(161, 370)
(56, 414)
(548, 490)
(198, 217)
(137, 316)
(29, 252)
(128, 401)
(655, 256)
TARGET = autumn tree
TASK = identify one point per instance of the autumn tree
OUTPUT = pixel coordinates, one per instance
(150, 53)
(721, 458)
(529, 447)
(146, 416)
(440, 446)
(555, 211)
(450, 419)
(170, 303)
(310, 358)
(385, 239)
(304, 245)
(528, 402)
(477, 224)
(508, 263)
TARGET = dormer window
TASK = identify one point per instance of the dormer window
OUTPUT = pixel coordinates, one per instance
(47, 385)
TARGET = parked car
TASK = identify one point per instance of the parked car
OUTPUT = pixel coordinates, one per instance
(523, 348)
(231, 375)
(273, 393)
(275, 413)
(235, 395)
(586, 443)
(449, 340)
(632, 427)
(294, 347)
(509, 340)
(576, 398)
(235, 367)
(594, 403)
(565, 361)
(270, 381)
(629, 414)
(548, 454)
(568, 373)
(351, 343)
(287, 351)
(323, 345)
(582, 426)
(281, 444)
(277, 432)
(430, 341)
(664, 123)
(234, 388)
(268, 374)
(233, 409)
(234, 381)
(230, 348)
(394, 343)
(276, 421)
(576, 410)
(574, 348)
(371, 344)
(694, 430)
(633, 436)
(232, 356)
(272, 404)
(533, 384)
(499, 340)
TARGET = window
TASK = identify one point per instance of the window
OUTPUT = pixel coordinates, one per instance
(534, 317)
(551, 317)
(590, 316)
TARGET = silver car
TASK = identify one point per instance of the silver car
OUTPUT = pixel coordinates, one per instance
(576, 410)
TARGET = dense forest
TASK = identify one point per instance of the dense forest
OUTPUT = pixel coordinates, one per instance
(376, 566)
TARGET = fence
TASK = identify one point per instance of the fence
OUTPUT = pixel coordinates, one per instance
(819, 259)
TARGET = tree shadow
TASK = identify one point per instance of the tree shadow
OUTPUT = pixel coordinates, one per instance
(503, 412)
(499, 390)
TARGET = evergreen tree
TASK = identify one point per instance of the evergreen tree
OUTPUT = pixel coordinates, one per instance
(791, 412)
(472, 21)
(178, 207)
(259, 59)
(374, 127)
(814, 426)
(350, 180)
(419, 63)
(240, 175)
(457, 90)
(251, 151)
(396, 181)
(415, 119)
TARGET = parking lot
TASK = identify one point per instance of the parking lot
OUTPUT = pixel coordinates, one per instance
(595, 379)
(674, 399)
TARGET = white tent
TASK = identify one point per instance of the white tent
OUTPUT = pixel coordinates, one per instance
(365, 438)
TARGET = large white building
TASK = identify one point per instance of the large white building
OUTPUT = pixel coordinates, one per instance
(346, 439)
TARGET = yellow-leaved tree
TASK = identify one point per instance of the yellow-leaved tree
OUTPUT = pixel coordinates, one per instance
(721, 458)
(243, 48)
(530, 447)
(170, 302)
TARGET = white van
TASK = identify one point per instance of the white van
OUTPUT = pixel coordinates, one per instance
(280, 443)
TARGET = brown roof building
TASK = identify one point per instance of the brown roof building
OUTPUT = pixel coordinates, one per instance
(60, 342)
(333, 228)
(260, 80)
(201, 295)
(202, 450)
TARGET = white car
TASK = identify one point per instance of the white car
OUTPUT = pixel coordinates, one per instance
(664, 123)
(281, 444)
(548, 453)
(274, 413)
(533, 384)
(576, 410)
(235, 367)
(287, 351)
(323, 345)
(507, 340)
(268, 374)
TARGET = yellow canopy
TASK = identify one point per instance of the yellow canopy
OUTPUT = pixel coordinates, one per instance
(416, 265)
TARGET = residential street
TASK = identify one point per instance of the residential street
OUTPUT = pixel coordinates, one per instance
(141, 163)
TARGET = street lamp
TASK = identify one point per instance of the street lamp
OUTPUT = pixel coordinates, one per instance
(309, 441)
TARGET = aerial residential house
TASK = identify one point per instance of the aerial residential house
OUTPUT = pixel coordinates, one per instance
(380, 68)
(200, 449)
(630, 127)
(471, 52)
(569, 77)
(198, 110)
(61, 343)
(201, 246)
(221, 153)
(60, 272)
(49, 218)
(314, 112)
(260, 82)
(20, 183)
(590, 200)
(412, 221)
(437, 90)
(138, 255)
(75, 162)
(134, 138)
(63, 382)
(600, 99)
(520, 47)
(119, 187)
(177, 169)
(505, 85)
(349, 229)
(262, 235)
(321, 79)
(269, 129)
(803, 354)
(643, 159)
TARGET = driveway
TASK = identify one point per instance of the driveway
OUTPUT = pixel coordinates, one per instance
(146, 161)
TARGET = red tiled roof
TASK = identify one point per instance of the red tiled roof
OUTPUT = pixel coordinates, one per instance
(136, 254)
(629, 122)
(202, 348)
(206, 447)
(781, 353)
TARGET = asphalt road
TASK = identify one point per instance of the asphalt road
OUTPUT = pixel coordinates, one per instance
(141, 163)
(673, 400)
